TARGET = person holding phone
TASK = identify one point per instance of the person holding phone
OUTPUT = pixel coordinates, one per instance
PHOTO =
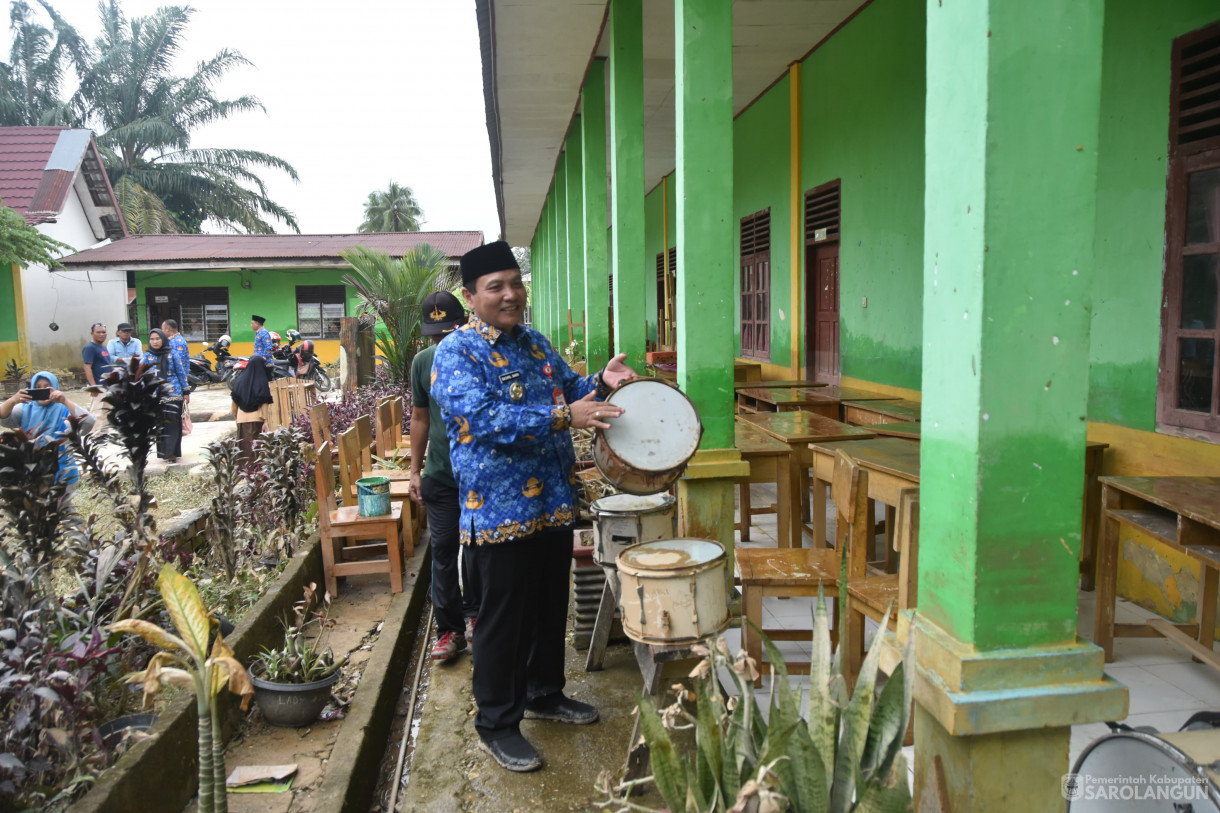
(42, 412)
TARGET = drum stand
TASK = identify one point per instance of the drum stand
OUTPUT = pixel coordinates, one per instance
(652, 660)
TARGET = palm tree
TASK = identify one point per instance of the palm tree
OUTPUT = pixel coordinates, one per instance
(147, 116)
(32, 80)
(392, 210)
(395, 290)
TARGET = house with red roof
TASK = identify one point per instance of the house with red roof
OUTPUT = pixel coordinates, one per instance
(212, 283)
(54, 178)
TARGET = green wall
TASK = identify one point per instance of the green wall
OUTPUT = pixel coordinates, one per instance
(1129, 240)
(654, 239)
(762, 179)
(272, 293)
(862, 111)
(8, 306)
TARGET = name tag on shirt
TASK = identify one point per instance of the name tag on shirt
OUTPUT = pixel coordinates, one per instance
(507, 377)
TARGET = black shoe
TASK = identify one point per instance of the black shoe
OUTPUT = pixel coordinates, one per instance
(514, 753)
(563, 710)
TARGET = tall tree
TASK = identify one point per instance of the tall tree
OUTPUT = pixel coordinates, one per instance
(31, 82)
(147, 116)
(395, 209)
(395, 290)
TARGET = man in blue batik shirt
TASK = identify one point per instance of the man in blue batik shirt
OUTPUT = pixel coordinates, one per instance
(262, 338)
(508, 401)
(180, 350)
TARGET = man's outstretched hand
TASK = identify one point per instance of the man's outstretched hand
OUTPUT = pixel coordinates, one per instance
(616, 372)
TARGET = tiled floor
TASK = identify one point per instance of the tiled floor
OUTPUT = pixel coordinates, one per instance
(1166, 686)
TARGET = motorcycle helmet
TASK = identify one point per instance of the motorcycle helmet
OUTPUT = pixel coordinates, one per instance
(224, 341)
(275, 339)
(306, 350)
(293, 336)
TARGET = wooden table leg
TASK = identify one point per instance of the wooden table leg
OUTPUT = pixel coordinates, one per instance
(1092, 512)
(794, 504)
(751, 610)
(601, 629)
(787, 527)
(1107, 575)
(803, 459)
(743, 508)
(818, 511)
(1207, 607)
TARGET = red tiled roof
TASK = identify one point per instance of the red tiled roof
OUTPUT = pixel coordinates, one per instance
(24, 152)
(207, 249)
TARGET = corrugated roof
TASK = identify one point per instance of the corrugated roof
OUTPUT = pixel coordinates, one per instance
(182, 251)
(24, 152)
(38, 166)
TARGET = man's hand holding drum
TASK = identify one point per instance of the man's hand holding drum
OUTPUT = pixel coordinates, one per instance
(590, 413)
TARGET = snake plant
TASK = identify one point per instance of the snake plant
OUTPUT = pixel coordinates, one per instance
(844, 755)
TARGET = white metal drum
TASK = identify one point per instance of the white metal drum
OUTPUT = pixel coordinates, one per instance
(646, 448)
(1135, 771)
(623, 520)
(673, 591)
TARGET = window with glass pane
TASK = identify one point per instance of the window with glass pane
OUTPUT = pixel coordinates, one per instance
(1188, 401)
(320, 310)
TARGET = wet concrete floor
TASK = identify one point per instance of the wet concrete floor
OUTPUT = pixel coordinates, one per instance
(450, 773)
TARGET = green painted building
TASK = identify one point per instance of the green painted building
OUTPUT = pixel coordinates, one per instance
(1007, 211)
(211, 284)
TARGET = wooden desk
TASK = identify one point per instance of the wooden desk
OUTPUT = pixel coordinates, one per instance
(770, 462)
(746, 370)
(863, 413)
(798, 430)
(892, 464)
(1182, 513)
(787, 399)
(905, 429)
(791, 382)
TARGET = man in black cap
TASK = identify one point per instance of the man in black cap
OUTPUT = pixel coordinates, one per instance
(455, 601)
(262, 338)
(508, 401)
(122, 347)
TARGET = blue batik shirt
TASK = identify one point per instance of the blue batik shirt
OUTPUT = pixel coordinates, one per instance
(180, 350)
(175, 375)
(508, 439)
(262, 344)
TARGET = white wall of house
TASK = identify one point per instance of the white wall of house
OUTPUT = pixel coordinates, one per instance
(71, 299)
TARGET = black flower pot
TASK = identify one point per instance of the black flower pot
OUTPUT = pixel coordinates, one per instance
(292, 704)
(112, 732)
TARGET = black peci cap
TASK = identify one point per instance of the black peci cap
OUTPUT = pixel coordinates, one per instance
(488, 259)
(443, 313)
(257, 318)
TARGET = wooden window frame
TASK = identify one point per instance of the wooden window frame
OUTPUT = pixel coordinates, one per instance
(667, 320)
(1185, 159)
(321, 296)
(755, 287)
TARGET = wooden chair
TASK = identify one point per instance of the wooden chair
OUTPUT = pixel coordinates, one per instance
(345, 523)
(388, 420)
(351, 468)
(869, 595)
(291, 399)
(319, 424)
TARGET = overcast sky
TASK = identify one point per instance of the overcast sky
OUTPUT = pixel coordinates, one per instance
(358, 93)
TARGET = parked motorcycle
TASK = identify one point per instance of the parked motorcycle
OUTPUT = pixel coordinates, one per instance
(306, 366)
(201, 370)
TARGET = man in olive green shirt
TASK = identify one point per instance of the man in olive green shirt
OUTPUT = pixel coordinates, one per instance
(454, 598)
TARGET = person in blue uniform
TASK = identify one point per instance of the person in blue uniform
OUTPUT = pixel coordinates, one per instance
(262, 338)
(508, 401)
(169, 367)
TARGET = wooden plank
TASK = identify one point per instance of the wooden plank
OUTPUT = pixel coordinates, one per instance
(1160, 524)
(910, 430)
(1195, 497)
(1205, 654)
(601, 629)
(1145, 631)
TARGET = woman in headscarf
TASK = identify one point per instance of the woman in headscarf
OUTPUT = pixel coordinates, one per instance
(251, 402)
(46, 420)
(169, 367)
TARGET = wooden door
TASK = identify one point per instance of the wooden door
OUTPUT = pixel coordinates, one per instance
(822, 313)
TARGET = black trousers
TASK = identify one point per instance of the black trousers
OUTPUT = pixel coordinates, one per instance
(169, 441)
(453, 599)
(523, 616)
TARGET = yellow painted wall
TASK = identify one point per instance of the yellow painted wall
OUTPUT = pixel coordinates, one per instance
(327, 350)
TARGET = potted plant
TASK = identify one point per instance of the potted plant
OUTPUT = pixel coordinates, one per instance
(292, 683)
(14, 375)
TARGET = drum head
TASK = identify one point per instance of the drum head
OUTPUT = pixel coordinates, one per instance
(659, 430)
(671, 554)
(1134, 770)
(630, 503)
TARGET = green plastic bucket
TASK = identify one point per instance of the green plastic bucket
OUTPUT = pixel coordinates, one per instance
(373, 495)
